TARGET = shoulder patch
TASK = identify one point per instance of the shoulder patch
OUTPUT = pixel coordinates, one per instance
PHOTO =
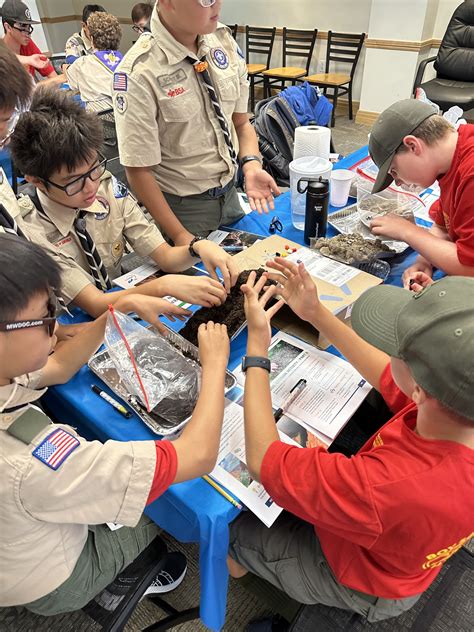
(56, 448)
(120, 82)
(119, 188)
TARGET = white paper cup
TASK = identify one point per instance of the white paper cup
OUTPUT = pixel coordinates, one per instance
(340, 186)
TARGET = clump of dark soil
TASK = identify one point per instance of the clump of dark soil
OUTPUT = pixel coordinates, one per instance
(231, 313)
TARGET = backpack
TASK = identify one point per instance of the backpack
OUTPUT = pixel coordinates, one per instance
(276, 119)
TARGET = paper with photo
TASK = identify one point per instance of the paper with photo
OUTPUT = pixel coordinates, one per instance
(324, 268)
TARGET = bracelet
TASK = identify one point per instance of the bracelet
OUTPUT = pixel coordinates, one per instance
(192, 252)
(247, 159)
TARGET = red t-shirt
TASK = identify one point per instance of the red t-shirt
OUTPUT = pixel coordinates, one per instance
(388, 517)
(165, 469)
(455, 208)
(32, 49)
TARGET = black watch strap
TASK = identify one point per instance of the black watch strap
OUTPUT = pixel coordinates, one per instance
(256, 361)
(246, 159)
(192, 252)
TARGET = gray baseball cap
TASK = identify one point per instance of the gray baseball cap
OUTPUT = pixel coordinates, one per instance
(432, 331)
(388, 132)
(17, 11)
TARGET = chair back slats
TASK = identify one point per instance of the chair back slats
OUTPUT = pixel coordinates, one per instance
(233, 29)
(344, 47)
(298, 43)
(259, 40)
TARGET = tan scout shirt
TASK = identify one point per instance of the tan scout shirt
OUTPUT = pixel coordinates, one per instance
(93, 80)
(114, 218)
(44, 512)
(163, 114)
(78, 45)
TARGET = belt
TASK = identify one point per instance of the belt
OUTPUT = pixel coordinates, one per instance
(217, 192)
(370, 598)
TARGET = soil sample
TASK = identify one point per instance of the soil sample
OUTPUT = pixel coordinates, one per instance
(231, 313)
(351, 248)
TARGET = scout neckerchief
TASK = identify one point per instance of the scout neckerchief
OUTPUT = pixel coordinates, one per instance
(96, 265)
(201, 67)
(109, 58)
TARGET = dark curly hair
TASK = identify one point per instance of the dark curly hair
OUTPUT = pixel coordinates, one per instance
(56, 132)
(105, 31)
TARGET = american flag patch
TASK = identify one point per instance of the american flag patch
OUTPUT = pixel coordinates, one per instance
(120, 81)
(56, 448)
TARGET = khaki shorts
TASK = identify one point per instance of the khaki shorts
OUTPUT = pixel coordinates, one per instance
(200, 214)
(105, 554)
(289, 556)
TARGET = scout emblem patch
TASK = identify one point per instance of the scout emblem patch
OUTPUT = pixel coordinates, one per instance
(56, 448)
(219, 58)
(109, 58)
(119, 188)
(121, 103)
(120, 82)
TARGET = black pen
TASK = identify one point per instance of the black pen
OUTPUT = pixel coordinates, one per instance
(110, 400)
(294, 392)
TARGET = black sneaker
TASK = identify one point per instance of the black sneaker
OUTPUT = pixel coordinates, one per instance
(170, 577)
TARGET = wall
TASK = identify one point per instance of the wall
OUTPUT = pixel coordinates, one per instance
(445, 11)
(58, 32)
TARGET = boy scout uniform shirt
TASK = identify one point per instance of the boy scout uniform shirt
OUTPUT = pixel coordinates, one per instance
(93, 80)
(113, 218)
(45, 512)
(77, 46)
(164, 116)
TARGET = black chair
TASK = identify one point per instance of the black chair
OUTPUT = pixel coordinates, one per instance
(114, 606)
(342, 48)
(260, 41)
(454, 63)
(295, 44)
(233, 29)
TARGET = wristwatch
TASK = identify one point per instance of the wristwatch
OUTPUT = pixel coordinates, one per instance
(192, 252)
(256, 361)
(246, 159)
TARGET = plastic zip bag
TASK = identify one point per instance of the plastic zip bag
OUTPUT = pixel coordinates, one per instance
(151, 368)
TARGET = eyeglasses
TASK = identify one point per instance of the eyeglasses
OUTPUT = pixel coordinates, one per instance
(24, 28)
(138, 29)
(76, 186)
(206, 3)
(12, 121)
(49, 322)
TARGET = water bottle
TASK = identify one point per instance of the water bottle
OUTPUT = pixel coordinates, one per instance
(317, 202)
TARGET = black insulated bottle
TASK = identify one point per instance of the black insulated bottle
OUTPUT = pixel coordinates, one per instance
(317, 202)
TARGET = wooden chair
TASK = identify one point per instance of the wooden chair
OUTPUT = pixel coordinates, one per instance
(296, 43)
(259, 40)
(342, 48)
(233, 29)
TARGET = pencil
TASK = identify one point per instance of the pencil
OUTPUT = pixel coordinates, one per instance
(222, 491)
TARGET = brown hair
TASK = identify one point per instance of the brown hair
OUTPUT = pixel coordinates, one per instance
(105, 31)
(16, 85)
(433, 129)
(141, 11)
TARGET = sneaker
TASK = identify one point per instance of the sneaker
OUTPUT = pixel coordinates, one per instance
(170, 577)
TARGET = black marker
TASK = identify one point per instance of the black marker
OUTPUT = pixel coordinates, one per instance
(294, 392)
(110, 400)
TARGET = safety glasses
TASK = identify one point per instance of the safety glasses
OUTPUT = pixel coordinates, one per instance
(206, 3)
(138, 29)
(49, 322)
(76, 186)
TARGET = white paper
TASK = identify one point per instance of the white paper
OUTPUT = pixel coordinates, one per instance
(334, 389)
(429, 197)
(244, 203)
(323, 268)
(136, 276)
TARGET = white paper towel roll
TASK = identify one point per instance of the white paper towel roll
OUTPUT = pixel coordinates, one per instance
(312, 140)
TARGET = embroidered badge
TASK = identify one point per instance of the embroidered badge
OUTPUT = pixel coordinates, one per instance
(109, 58)
(175, 92)
(104, 203)
(63, 242)
(117, 249)
(175, 77)
(56, 448)
(121, 103)
(119, 188)
(120, 82)
(219, 58)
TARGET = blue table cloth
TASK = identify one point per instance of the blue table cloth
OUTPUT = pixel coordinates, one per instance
(192, 511)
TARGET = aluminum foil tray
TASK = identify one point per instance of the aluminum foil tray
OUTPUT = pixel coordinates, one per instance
(347, 220)
(102, 366)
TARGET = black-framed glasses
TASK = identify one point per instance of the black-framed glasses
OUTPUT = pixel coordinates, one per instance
(49, 322)
(76, 186)
(24, 28)
(138, 29)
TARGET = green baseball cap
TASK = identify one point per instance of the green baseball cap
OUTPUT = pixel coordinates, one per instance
(431, 331)
(388, 132)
